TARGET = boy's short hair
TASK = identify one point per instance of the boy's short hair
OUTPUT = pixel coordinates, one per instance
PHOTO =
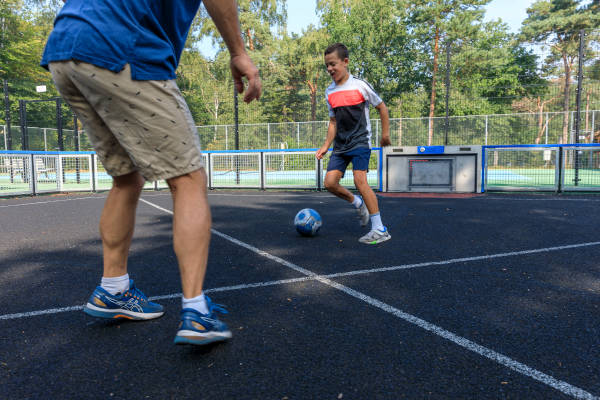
(340, 49)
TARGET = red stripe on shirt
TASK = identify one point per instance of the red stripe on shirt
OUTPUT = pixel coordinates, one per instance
(345, 98)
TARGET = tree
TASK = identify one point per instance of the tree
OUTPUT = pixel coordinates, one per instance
(436, 24)
(558, 23)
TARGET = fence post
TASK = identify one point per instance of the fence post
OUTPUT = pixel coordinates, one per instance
(237, 135)
(298, 134)
(59, 123)
(319, 173)
(268, 136)
(7, 133)
(486, 130)
(262, 170)
(93, 175)
(559, 166)
(447, 120)
(76, 139)
(32, 173)
(578, 110)
(23, 122)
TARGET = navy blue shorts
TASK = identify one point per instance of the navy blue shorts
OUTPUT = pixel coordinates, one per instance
(358, 157)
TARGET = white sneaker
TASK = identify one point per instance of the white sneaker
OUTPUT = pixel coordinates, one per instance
(363, 213)
(375, 237)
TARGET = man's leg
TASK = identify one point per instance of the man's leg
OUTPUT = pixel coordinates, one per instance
(117, 222)
(191, 229)
(116, 230)
(191, 237)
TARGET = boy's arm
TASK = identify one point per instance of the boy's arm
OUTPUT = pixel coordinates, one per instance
(385, 124)
(331, 131)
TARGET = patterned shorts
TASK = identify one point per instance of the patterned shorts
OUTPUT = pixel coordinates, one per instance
(143, 126)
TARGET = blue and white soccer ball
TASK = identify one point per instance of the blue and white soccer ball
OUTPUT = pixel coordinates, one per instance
(308, 222)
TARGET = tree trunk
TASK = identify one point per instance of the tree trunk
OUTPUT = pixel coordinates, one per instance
(436, 50)
(250, 40)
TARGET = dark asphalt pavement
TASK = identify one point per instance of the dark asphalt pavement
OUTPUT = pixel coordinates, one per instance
(310, 339)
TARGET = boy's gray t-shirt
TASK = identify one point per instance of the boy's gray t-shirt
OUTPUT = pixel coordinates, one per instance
(349, 104)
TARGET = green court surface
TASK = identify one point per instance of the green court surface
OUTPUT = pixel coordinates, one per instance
(541, 177)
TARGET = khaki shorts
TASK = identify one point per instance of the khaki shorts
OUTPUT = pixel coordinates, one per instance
(143, 126)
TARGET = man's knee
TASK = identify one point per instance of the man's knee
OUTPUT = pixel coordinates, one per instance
(133, 181)
(195, 178)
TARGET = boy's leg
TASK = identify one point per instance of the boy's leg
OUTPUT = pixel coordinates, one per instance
(191, 229)
(368, 195)
(332, 184)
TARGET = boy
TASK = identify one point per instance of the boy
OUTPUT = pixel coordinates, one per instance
(114, 62)
(348, 99)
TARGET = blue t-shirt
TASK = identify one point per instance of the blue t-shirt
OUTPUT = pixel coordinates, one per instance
(147, 34)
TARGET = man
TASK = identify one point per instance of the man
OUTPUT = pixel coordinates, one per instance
(114, 62)
(348, 99)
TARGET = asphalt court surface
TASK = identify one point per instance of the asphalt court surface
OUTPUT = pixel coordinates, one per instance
(495, 296)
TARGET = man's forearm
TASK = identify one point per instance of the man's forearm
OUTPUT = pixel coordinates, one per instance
(224, 14)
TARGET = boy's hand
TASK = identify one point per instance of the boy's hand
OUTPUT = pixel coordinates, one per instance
(385, 140)
(321, 152)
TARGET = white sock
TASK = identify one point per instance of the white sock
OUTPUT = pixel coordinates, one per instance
(376, 222)
(119, 284)
(197, 303)
(357, 202)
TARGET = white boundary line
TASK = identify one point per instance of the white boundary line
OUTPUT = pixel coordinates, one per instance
(559, 385)
(52, 201)
(314, 276)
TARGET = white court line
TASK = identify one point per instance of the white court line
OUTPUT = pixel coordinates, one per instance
(315, 276)
(559, 385)
(52, 201)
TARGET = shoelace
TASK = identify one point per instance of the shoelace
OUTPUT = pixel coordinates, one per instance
(212, 307)
(136, 293)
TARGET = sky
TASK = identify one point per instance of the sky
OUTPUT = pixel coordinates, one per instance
(301, 13)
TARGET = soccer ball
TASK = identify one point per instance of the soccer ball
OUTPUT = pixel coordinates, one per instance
(308, 222)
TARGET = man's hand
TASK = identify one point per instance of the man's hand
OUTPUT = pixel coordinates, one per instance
(241, 65)
(321, 152)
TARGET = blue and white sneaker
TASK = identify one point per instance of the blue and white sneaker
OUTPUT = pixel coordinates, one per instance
(133, 304)
(200, 329)
(375, 236)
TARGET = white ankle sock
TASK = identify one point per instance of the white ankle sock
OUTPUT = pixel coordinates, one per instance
(376, 222)
(197, 303)
(119, 284)
(357, 202)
